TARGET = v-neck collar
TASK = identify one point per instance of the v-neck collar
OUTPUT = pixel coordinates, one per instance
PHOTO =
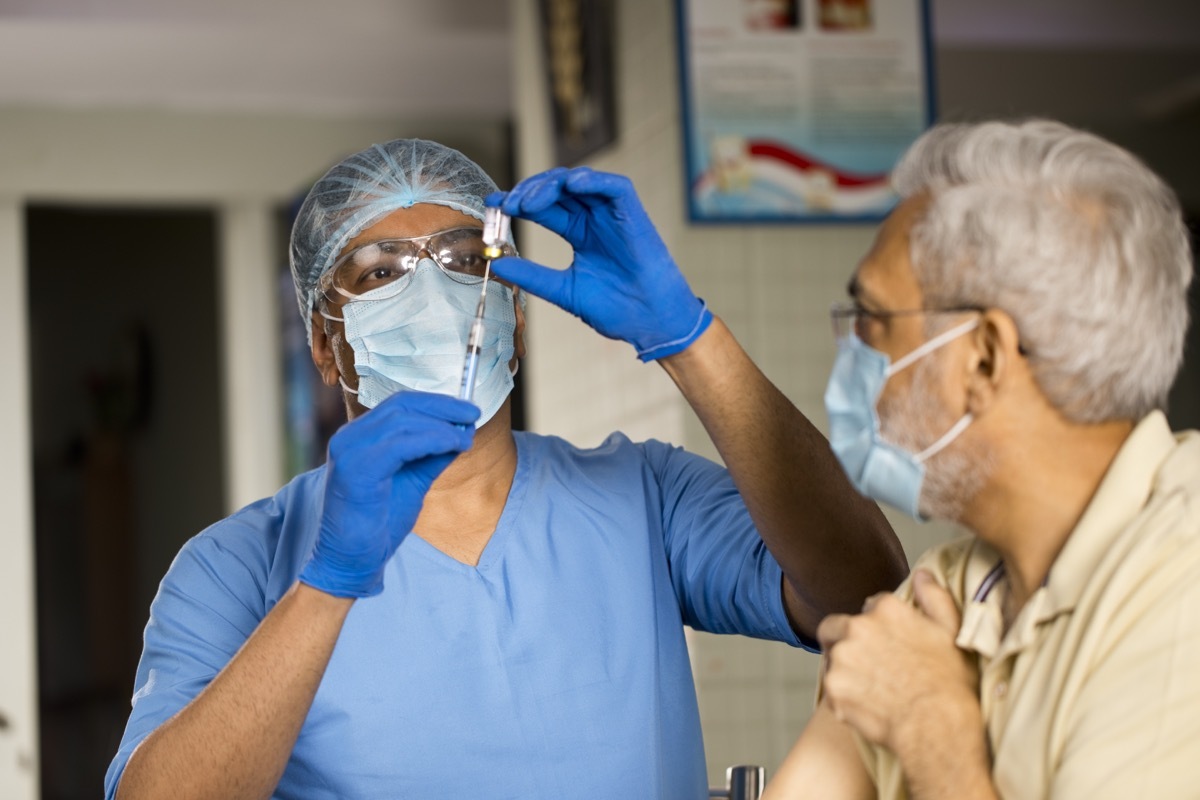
(493, 551)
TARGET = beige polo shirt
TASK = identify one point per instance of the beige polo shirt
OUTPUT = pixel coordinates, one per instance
(1095, 690)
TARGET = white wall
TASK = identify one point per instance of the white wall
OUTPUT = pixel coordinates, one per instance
(18, 700)
(243, 166)
(771, 285)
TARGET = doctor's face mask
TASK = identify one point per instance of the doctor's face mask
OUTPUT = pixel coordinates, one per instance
(416, 338)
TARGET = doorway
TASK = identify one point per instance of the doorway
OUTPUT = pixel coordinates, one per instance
(127, 453)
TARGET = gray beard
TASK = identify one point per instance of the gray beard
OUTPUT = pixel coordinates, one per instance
(956, 474)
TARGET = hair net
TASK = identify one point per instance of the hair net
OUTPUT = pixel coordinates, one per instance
(366, 187)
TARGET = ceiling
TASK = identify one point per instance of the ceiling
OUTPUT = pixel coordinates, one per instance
(437, 57)
(1068, 24)
(451, 57)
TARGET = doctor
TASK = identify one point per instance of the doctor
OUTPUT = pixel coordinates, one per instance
(450, 608)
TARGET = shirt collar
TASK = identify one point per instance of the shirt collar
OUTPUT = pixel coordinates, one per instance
(982, 626)
(1122, 493)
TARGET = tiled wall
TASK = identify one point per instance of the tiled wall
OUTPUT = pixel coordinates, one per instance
(771, 285)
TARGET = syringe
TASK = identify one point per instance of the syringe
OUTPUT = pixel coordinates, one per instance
(496, 231)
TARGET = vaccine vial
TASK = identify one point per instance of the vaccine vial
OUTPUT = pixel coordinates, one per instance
(497, 229)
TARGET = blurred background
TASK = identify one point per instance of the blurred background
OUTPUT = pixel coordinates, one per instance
(151, 155)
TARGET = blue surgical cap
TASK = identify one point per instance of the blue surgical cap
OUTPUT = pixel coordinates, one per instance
(366, 187)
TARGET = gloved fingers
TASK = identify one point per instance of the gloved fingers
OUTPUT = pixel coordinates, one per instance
(412, 439)
(594, 202)
(546, 200)
(516, 199)
(538, 195)
(537, 200)
(549, 284)
(540, 191)
(558, 218)
(357, 478)
(584, 181)
(541, 196)
(404, 406)
(432, 404)
(605, 190)
(548, 195)
(399, 416)
(573, 206)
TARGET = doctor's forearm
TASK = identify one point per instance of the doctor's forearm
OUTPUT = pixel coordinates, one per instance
(234, 739)
(835, 546)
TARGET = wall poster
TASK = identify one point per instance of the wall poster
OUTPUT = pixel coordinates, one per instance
(796, 110)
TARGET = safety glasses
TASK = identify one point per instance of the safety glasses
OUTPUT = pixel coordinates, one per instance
(385, 268)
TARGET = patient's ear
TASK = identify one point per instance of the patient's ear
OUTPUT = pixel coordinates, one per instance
(995, 350)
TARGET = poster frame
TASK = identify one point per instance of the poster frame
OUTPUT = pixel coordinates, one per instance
(694, 215)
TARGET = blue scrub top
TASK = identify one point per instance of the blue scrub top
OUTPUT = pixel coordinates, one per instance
(555, 668)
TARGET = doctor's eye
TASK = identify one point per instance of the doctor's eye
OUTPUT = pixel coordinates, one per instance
(471, 263)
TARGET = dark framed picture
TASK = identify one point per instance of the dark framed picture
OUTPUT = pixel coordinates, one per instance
(577, 45)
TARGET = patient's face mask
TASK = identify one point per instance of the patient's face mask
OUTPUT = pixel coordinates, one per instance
(879, 469)
(416, 339)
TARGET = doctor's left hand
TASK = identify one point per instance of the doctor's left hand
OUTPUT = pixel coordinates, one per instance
(623, 281)
(380, 467)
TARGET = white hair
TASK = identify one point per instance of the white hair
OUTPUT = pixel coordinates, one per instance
(1078, 241)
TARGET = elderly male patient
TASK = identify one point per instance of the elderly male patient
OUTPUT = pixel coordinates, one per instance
(1013, 335)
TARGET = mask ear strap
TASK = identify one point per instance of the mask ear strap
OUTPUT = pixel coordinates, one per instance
(344, 294)
(344, 386)
(942, 443)
(933, 344)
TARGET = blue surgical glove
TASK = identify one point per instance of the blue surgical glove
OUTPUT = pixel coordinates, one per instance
(380, 467)
(623, 281)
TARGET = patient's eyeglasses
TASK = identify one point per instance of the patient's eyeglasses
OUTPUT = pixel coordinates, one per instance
(850, 318)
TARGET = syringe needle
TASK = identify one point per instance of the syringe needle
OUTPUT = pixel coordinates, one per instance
(474, 339)
(495, 234)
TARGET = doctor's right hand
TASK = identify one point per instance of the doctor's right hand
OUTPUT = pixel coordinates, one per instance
(380, 467)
